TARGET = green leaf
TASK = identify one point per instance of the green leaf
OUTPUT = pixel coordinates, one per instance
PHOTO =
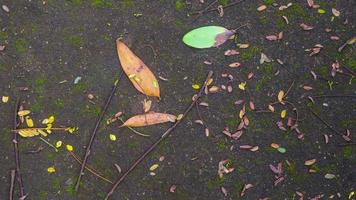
(207, 36)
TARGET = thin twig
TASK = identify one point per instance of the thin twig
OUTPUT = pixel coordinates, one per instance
(49, 144)
(201, 12)
(11, 193)
(90, 169)
(346, 144)
(215, 9)
(289, 89)
(334, 96)
(97, 123)
(133, 130)
(164, 135)
(16, 150)
(324, 122)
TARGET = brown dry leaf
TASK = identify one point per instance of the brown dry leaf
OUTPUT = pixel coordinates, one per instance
(243, 46)
(252, 105)
(280, 96)
(307, 88)
(264, 59)
(309, 162)
(271, 108)
(231, 52)
(224, 191)
(214, 89)
(139, 74)
(147, 105)
(306, 27)
(246, 187)
(310, 3)
(262, 8)
(235, 64)
(173, 188)
(147, 119)
(271, 37)
(250, 75)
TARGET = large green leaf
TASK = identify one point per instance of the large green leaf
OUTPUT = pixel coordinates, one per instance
(207, 36)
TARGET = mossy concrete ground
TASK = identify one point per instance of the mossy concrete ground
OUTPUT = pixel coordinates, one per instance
(52, 42)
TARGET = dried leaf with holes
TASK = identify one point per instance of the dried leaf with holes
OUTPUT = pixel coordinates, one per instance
(147, 119)
(139, 74)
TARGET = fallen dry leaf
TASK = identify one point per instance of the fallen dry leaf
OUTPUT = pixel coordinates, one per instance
(235, 64)
(139, 74)
(280, 96)
(335, 12)
(309, 162)
(246, 187)
(146, 105)
(147, 119)
(231, 52)
(306, 27)
(262, 8)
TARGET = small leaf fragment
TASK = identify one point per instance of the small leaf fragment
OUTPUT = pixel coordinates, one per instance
(69, 147)
(196, 86)
(154, 167)
(280, 96)
(309, 162)
(29, 121)
(22, 113)
(112, 137)
(5, 99)
(282, 150)
(242, 85)
(51, 170)
(329, 176)
(59, 144)
(283, 114)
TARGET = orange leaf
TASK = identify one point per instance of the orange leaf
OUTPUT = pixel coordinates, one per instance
(150, 118)
(139, 74)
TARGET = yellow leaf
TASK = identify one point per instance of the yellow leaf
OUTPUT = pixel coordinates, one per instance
(51, 170)
(283, 114)
(139, 74)
(112, 137)
(69, 147)
(154, 167)
(180, 116)
(50, 120)
(5, 99)
(147, 119)
(196, 86)
(72, 129)
(28, 132)
(42, 132)
(45, 121)
(242, 85)
(22, 113)
(280, 95)
(29, 121)
(59, 144)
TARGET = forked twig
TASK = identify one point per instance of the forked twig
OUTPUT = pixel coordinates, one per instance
(164, 135)
(16, 150)
(324, 122)
(99, 119)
